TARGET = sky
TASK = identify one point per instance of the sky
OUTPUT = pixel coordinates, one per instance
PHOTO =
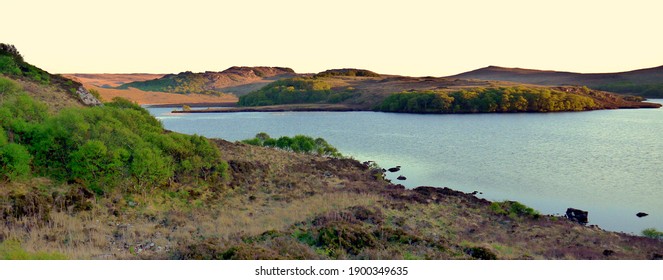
(414, 37)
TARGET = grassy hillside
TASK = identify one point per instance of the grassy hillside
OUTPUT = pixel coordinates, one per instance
(643, 82)
(57, 91)
(214, 83)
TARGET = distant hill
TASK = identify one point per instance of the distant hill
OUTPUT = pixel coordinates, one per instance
(232, 80)
(356, 88)
(644, 82)
(348, 72)
(111, 80)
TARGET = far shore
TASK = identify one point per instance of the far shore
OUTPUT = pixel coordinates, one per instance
(274, 108)
(192, 105)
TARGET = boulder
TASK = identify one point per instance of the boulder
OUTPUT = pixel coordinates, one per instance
(577, 215)
(395, 169)
(641, 214)
(87, 98)
(401, 177)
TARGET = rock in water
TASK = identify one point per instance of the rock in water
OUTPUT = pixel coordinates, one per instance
(401, 177)
(395, 169)
(577, 215)
(641, 214)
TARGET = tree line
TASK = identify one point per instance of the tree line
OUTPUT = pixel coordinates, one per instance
(486, 100)
(295, 91)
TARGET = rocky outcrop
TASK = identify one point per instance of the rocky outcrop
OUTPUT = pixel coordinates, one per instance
(395, 169)
(87, 98)
(577, 215)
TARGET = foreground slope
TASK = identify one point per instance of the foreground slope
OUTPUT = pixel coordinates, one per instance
(281, 205)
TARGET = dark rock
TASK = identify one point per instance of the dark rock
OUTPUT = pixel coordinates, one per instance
(395, 169)
(401, 177)
(657, 256)
(577, 215)
(475, 192)
(481, 253)
(608, 253)
(641, 214)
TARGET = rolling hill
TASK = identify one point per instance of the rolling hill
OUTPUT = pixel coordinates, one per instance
(643, 82)
(232, 80)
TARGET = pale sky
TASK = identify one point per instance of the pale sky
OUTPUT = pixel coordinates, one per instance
(414, 37)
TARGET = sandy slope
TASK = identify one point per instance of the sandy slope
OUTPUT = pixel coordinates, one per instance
(96, 81)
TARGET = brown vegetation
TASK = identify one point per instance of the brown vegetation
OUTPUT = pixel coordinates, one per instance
(281, 205)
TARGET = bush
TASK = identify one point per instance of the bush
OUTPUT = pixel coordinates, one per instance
(8, 88)
(95, 93)
(298, 144)
(652, 233)
(11, 250)
(103, 147)
(9, 66)
(514, 209)
(14, 162)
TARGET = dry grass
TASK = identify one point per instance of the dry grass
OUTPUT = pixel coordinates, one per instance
(101, 82)
(279, 204)
(162, 98)
(280, 215)
(56, 98)
(112, 80)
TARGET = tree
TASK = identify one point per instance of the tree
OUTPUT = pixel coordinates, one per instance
(150, 168)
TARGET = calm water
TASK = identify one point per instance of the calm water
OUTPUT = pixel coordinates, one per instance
(606, 162)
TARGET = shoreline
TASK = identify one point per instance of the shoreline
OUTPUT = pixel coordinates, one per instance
(279, 108)
(192, 105)
(232, 108)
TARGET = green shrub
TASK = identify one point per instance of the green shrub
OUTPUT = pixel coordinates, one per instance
(652, 233)
(14, 162)
(12, 250)
(95, 93)
(9, 66)
(8, 88)
(513, 209)
(103, 147)
(298, 144)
